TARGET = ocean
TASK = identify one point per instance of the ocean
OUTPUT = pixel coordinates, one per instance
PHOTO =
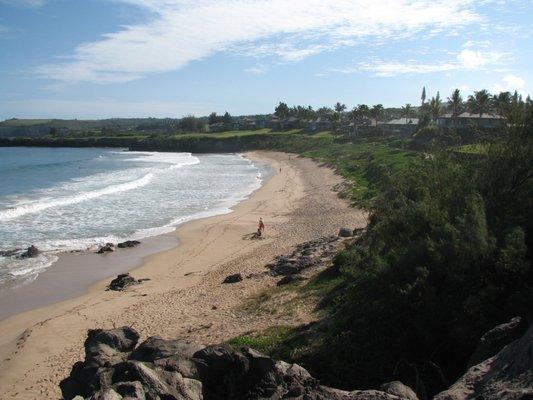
(68, 199)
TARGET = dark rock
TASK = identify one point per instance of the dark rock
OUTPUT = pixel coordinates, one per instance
(128, 243)
(397, 388)
(495, 339)
(345, 232)
(233, 278)
(109, 247)
(9, 253)
(168, 369)
(286, 269)
(30, 252)
(155, 348)
(289, 279)
(121, 282)
(133, 390)
(506, 376)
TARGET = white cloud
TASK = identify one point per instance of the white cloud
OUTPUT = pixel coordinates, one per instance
(514, 81)
(509, 83)
(466, 60)
(257, 70)
(181, 31)
(99, 108)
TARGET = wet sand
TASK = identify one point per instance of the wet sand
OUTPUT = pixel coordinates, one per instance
(185, 297)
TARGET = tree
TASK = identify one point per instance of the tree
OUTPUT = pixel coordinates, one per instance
(227, 119)
(364, 110)
(502, 103)
(423, 97)
(407, 111)
(339, 108)
(282, 110)
(455, 102)
(377, 112)
(479, 103)
(435, 106)
(213, 118)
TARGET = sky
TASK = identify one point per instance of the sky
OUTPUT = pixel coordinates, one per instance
(90, 59)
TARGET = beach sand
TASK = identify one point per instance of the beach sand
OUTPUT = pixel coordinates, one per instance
(184, 297)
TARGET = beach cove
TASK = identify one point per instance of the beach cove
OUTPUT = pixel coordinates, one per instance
(184, 297)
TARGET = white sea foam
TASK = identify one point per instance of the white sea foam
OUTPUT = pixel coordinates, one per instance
(46, 203)
(72, 222)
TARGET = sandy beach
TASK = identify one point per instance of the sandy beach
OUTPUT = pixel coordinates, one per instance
(184, 297)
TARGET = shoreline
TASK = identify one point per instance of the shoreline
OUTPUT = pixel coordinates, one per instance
(184, 297)
(74, 272)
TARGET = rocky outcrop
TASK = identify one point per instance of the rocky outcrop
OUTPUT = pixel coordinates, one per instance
(233, 278)
(305, 255)
(114, 368)
(506, 376)
(496, 339)
(122, 281)
(128, 243)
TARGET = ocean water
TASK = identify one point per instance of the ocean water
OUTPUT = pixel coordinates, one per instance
(63, 199)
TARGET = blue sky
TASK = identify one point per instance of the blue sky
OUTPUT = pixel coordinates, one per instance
(169, 58)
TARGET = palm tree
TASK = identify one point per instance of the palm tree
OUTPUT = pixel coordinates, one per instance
(364, 110)
(340, 107)
(455, 102)
(407, 111)
(377, 112)
(479, 103)
(435, 106)
(502, 103)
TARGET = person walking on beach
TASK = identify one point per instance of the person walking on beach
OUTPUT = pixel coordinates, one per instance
(261, 225)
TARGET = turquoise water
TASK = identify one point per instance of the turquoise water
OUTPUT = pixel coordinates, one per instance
(63, 199)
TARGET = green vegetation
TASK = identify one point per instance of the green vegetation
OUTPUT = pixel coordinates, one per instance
(447, 253)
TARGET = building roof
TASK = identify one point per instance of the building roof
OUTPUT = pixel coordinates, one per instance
(402, 121)
(466, 114)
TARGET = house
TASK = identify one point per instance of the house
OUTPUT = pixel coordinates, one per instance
(399, 126)
(319, 124)
(466, 119)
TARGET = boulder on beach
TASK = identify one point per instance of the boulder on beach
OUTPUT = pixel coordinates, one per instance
(173, 369)
(30, 252)
(233, 278)
(122, 281)
(345, 232)
(128, 243)
(108, 247)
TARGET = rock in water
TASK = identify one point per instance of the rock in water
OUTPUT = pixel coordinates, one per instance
(122, 281)
(30, 252)
(233, 278)
(107, 248)
(170, 369)
(128, 243)
(345, 232)
(506, 376)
